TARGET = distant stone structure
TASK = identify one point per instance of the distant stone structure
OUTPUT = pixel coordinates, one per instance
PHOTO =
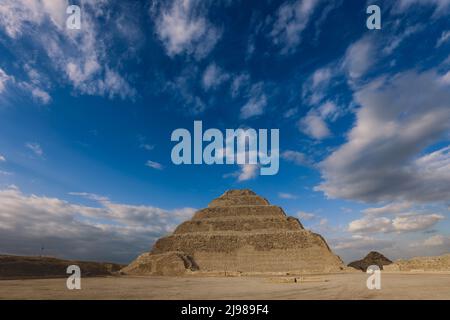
(373, 258)
(239, 232)
(421, 264)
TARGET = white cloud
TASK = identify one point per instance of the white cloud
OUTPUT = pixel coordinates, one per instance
(396, 41)
(286, 195)
(302, 215)
(314, 123)
(2, 158)
(415, 222)
(14, 15)
(445, 36)
(183, 89)
(35, 148)
(82, 57)
(292, 18)
(392, 208)
(182, 27)
(382, 160)
(248, 172)
(213, 77)
(359, 58)
(295, 157)
(314, 126)
(143, 144)
(445, 79)
(441, 5)
(290, 113)
(321, 76)
(365, 243)
(400, 224)
(146, 146)
(369, 224)
(41, 95)
(4, 78)
(154, 165)
(245, 172)
(120, 231)
(316, 86)
(256, 103)
(239, 82)
(437, 240)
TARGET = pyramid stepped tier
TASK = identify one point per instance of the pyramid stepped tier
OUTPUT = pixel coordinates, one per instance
(238, 232)
(239, 211)
(239, 224)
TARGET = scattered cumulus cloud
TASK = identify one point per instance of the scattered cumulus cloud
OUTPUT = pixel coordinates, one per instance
(445, 37)
(403, 223)
(246, 172)
(437, 240)
(183, 89)
(35, 148)
(295, 157)
(383, 157)
(239, 83)
(316, 86)
(292, 18)
(80, 57)
(213, 77)
(4, 78)
(288, 196)
(395, 41)
(256, 104)
(183, 28)
(154, 165)
(314, 124)
(306, 216)
(392, 208)
(441, 6)
(364, 243)
(359, 58)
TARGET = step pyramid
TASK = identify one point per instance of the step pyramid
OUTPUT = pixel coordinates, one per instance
(239, 232)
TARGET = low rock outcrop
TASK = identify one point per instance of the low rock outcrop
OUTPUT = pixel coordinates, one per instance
(422, 264)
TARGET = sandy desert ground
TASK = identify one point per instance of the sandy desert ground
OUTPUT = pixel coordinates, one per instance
(330, 286)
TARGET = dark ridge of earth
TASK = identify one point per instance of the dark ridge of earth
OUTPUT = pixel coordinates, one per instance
(23, 267)
(373, 258)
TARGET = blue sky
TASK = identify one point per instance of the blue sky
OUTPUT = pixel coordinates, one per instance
(86, 117)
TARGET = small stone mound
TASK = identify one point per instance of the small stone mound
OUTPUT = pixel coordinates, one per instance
(373, 258)
(240, 232)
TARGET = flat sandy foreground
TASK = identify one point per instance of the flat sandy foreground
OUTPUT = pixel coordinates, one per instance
(330, 286)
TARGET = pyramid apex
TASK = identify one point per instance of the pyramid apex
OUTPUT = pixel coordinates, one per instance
(236, 197)
(239, 192)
